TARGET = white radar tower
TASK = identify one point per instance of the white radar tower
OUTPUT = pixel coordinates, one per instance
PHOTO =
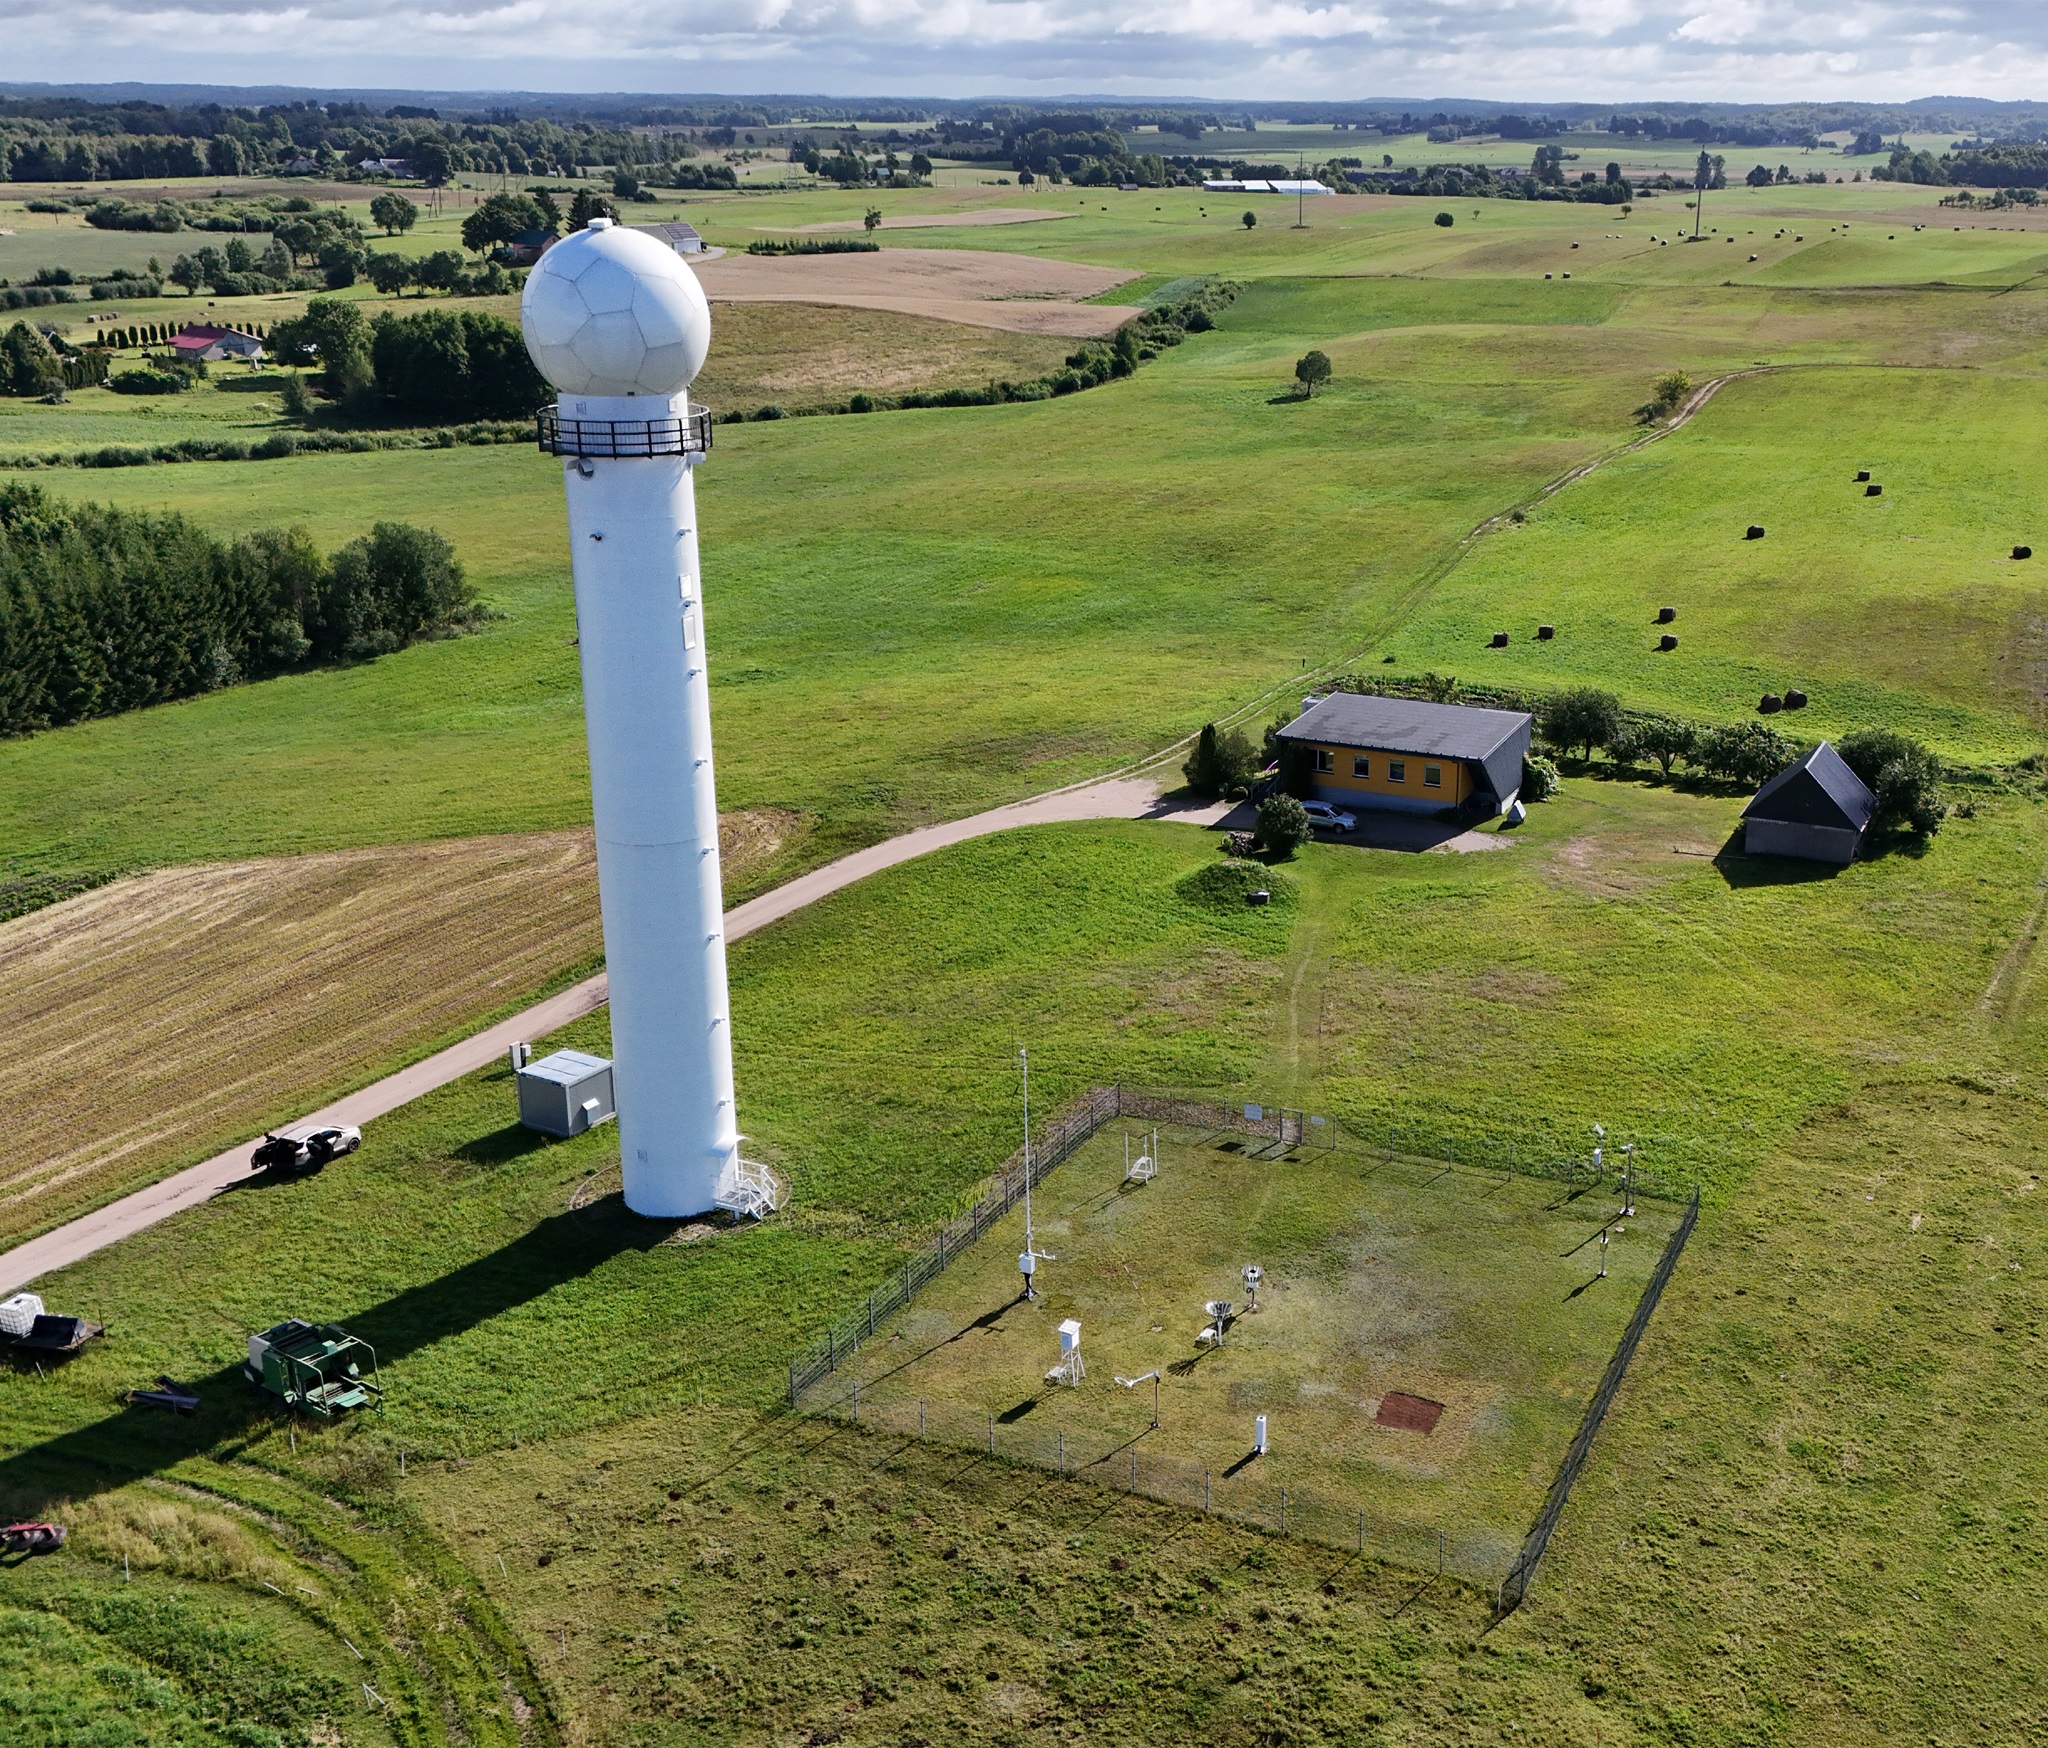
(618, 324)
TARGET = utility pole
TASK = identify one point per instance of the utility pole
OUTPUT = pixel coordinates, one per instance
(1703, 173)
(1300, 195)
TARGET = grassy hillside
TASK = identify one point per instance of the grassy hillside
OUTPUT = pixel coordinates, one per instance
(1905, 609)
(911, 615)
(957, 607)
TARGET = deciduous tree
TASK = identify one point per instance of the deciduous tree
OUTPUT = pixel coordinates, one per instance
(1311, 371)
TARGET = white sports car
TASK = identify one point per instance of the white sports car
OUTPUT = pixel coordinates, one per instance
(305, 1147)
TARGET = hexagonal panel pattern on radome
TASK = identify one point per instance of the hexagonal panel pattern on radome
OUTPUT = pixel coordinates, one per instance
(613, 312)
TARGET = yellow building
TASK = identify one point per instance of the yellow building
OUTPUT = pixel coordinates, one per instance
(1365, 751)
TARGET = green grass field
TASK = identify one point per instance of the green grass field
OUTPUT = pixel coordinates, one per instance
(537, 1340)
(1095, 575)
(1813, 1515)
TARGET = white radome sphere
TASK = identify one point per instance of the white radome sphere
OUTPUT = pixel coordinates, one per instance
(608, 311)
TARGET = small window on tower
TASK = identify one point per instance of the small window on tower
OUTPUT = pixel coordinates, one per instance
(689, 628)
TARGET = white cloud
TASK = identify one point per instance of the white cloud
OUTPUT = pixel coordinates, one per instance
(1594, 50)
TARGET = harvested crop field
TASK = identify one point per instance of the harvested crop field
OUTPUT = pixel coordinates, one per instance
(792, 354)
(1022, 293)
(165, 1016)
(981, 215)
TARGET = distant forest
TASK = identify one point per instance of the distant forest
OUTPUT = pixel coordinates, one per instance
(49, 134)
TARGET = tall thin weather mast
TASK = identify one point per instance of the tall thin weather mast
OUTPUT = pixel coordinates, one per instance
(1028, 1262)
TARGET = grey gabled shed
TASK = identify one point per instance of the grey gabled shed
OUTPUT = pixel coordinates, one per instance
(1816, 808)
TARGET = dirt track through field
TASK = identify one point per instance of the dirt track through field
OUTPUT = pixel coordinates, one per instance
(1022, 293)
(193, 1005)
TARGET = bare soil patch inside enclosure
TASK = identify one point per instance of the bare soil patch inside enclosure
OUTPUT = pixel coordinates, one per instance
(981, 215)
(1022, 293)
(157, 1019)
(1424, 1342)
(1408, 1413)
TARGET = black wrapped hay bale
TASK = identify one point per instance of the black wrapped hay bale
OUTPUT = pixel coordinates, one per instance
(1873, 491)
(1544, 633)
(1755, 531)
(1665, 615)
(1862, 474)
(1667, 642)
(1500, 640)
(1769, 704)
(1794, 698)
(2023, 552)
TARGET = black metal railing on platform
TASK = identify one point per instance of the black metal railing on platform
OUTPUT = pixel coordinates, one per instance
(624, 439)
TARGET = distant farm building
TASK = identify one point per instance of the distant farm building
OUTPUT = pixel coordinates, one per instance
(398, 167)
(1816, 808)
(682, 238)
(205, 343)
(1405, 754)
(526, 248)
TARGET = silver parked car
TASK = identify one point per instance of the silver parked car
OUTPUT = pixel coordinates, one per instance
(1325, 818)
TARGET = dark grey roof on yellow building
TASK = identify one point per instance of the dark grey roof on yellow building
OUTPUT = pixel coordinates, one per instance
(1405, 725)
(1494, 740)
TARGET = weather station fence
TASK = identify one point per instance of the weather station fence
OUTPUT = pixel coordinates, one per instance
(1515, 1586)
(1239, 1492)
(1280, 1127)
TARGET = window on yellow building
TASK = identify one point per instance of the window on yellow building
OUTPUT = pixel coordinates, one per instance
(1361, 766)
(1432, 776)
(1325, 759)
(1397, 770)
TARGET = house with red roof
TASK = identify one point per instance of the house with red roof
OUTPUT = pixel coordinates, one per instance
(204, 342)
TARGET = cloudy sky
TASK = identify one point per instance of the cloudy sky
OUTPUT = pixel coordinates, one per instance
(1597, 50)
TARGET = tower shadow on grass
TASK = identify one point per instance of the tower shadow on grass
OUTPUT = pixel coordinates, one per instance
(134, 1443)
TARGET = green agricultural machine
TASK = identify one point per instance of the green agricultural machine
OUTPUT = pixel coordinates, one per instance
(324, 1370)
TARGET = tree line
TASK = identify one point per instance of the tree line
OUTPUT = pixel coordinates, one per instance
(435, 364)
(104, 610)
(79, 140)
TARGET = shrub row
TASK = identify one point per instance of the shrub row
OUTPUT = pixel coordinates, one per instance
(35, 297)
(278, 445)
(813, 246)
(104, 610)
